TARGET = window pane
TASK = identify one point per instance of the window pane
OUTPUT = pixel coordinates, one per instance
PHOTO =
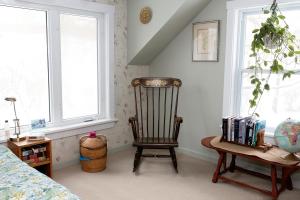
(253, 21)
(283, 100)
(79, 65)
(278, 104)
(23, 64)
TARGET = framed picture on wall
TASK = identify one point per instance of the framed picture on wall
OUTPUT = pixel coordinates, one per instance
(206, 41)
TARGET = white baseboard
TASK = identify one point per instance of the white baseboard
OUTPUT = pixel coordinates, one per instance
(65, 164)
(207, 156)
(120, 148)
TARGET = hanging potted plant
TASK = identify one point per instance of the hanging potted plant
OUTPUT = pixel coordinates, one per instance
(272, 46)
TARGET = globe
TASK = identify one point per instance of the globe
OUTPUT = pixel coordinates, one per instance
(287, 136)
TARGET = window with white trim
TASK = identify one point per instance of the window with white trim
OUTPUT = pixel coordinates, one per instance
(283, 99)
(79, 66)
(56, 60)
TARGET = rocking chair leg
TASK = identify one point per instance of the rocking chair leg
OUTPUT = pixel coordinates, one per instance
(137, 158)
(173, 156)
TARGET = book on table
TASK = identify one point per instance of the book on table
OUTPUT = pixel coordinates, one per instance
(241, 130)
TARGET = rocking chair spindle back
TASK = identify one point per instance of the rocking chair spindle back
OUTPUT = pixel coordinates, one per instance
(156, 124)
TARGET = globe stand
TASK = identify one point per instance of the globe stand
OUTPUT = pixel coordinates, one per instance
(291, 157)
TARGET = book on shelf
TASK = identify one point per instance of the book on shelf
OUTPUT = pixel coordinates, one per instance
(259, 125)
(36, 138)
(249, 132)
(236, 131)
(242, 131)
(232, 129)
(225, 128)
(34, 155)
(27, 152)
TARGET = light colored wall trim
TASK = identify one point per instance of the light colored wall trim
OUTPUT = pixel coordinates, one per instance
(74, 4)
(121, 148)
(80, 128)
(65, 164)
(110, 64)
(230, 62)
(246, 4)
(203, 155)
(55, 133)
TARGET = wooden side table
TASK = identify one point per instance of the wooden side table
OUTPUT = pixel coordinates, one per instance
(285, 180)
(44, 166)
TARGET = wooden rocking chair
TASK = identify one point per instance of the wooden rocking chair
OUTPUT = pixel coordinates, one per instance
(155, 124)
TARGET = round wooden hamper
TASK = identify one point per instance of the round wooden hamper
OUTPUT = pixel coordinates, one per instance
(95, 152)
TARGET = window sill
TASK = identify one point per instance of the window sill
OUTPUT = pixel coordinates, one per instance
(269, 137)
(269, 134)
(75, 129)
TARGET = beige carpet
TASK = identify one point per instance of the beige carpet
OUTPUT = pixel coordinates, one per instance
(157, 180)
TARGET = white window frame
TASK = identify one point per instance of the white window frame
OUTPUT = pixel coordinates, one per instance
(105, 27)
(232, 72)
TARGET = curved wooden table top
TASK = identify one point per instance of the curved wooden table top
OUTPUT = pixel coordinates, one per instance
(206, 142)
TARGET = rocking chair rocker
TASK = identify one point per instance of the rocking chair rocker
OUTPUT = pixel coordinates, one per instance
(155, 124)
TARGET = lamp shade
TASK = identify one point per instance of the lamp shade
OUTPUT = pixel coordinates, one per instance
(11, 99)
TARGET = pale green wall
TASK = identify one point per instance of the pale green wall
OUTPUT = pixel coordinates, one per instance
(201, 96)
(202, 90)
(138, 33)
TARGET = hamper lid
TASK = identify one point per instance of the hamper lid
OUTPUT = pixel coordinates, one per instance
(93, 143)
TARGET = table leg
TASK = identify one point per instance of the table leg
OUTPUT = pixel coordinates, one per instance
(274, 182)
(225, 162)
(217, 171)
(289, 185)
(232, 163)
(286, 180)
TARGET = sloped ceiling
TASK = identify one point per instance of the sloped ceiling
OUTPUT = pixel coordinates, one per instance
(145, 42)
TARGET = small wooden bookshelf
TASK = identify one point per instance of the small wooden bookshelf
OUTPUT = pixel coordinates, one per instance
(43, 146)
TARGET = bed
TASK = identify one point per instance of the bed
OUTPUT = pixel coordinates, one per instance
(18, 181)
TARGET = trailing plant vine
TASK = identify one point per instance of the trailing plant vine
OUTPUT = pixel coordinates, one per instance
(273, 45)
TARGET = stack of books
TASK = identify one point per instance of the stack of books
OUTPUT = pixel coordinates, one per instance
(242, 130)
(34, 155)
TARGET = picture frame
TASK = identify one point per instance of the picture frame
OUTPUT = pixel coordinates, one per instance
(38, 123)
(206, 41)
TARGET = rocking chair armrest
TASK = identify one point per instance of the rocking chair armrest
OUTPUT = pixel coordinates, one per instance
(132, 120)
(133, 123)
(178, 120)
